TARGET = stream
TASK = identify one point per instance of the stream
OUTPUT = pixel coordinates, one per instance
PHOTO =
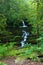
(25, 34)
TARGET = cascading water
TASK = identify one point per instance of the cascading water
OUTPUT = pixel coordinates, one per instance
(25, 35)
(23, 24)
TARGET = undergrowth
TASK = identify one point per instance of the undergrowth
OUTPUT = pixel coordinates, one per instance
(27, 52)
(1, 63)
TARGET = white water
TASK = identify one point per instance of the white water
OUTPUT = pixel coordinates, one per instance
(23, 24)
(24, 36)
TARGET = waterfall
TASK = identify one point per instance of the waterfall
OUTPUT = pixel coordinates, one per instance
(24, 36)
(23, 24)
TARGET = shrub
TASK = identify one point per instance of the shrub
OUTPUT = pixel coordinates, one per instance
(1, 63)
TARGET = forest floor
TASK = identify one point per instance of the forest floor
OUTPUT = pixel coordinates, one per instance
(11, 61)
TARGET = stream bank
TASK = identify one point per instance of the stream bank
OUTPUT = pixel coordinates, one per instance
(11, 61)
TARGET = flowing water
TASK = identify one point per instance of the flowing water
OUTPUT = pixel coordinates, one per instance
(24, 24)
(25, 34)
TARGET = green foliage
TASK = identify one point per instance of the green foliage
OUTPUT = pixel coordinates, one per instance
(12, 13)
(2, 22)
(4, 49)
(1, 63)
(31, 52)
